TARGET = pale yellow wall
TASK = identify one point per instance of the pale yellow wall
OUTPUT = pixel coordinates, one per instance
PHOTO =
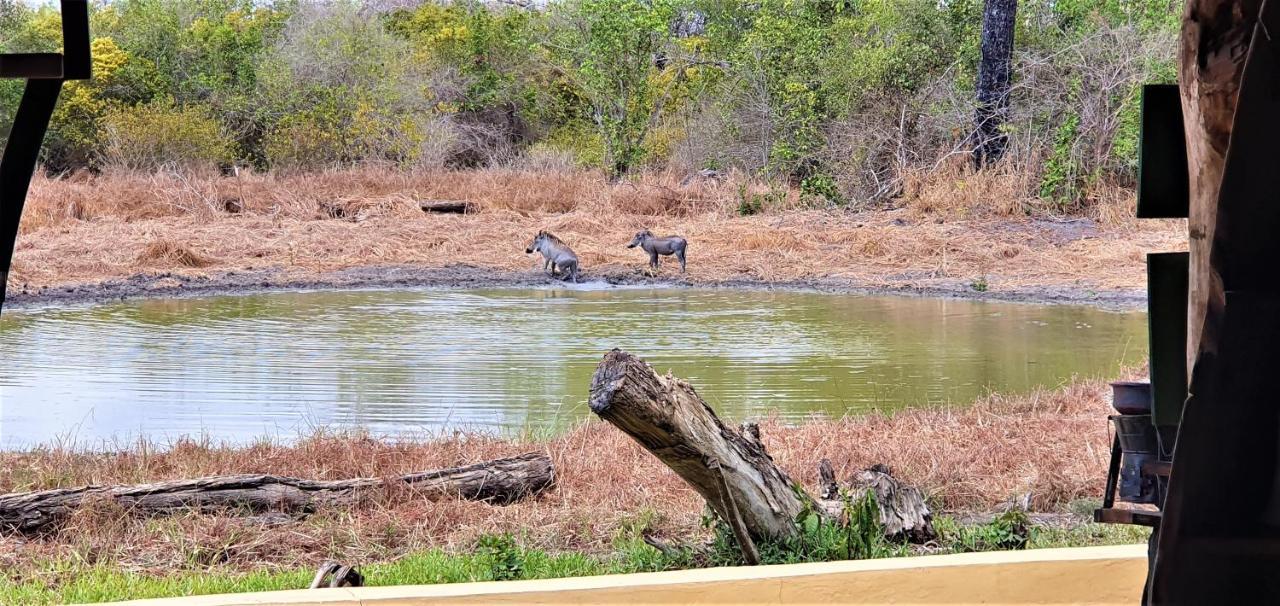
(1091, 575)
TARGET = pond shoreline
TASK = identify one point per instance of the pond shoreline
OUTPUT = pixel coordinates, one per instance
(1050, 445)
(168, 285)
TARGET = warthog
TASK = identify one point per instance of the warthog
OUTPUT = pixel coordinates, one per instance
(670, 245)
(559, 258)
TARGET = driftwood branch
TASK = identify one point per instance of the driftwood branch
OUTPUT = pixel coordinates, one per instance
(501, 481)
(729, 469)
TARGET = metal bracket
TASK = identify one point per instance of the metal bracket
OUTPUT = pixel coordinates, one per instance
(1163, 182)
(45, 73)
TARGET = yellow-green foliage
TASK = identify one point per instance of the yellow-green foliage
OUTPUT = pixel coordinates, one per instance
(77, 118)
(160, 134)
(318, 136)
(578, 140)
(844, 99)
(662, 142)
(340, 131)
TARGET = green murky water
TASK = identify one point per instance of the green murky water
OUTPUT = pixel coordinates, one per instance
(236, 368)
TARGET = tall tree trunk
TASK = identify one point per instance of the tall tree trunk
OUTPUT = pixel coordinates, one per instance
(993, 81)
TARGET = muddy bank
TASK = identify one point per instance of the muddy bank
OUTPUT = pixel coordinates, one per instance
(172, 285)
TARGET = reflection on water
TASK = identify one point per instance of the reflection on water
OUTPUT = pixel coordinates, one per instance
(236, 368)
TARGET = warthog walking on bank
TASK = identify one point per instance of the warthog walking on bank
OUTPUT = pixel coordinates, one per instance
(670, 245)
(559, 258)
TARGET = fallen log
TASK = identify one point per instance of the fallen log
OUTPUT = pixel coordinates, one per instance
(460, 207)
(500, 481)
(731, 471)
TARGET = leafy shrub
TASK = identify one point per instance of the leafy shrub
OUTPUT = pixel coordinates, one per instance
(823, 187)
(505, 559)
(754, 203)
(162, 135)
(579, 141)
(857, 535)
(1009, 530)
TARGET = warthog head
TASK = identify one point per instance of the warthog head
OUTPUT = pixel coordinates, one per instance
(538, 240)
(641, 236)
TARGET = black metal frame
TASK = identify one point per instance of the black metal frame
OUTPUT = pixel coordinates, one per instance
(44, 74)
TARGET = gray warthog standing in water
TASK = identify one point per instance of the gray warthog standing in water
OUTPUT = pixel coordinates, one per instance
(670, 245)
(558, 256)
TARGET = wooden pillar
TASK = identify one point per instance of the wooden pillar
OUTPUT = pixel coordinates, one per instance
(1215, 38)
(1219, 540)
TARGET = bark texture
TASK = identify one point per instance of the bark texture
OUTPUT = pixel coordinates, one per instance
(1215, 38)
(729, 469)
(903, 512)
(994, 77)
(1217, 540)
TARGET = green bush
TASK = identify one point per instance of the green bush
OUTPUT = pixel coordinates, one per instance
(857, 536)
(844, 99)
(503, 555)
(751, 203)
(162, 135)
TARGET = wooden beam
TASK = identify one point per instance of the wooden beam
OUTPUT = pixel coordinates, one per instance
(1224, 486)
(1215, 37)
(31, 66)
(78, 62)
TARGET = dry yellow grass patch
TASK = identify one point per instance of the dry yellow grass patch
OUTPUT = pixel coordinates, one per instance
(166, 253)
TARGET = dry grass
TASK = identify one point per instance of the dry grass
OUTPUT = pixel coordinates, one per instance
(90, 228)
(1052, 444)
(166, 253)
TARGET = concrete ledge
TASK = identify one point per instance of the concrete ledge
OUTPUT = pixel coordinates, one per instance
(1089, 575)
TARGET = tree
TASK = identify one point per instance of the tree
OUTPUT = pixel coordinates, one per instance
(610, 48)
(993, 81)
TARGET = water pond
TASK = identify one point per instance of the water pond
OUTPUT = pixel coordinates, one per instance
(415, 361)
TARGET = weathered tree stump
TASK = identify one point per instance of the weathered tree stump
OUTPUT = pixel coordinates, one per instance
(903, 512)
(500, 481)
(731, 471)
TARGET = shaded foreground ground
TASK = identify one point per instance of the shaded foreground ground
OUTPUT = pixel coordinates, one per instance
(1051, 444)
(149, 235)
